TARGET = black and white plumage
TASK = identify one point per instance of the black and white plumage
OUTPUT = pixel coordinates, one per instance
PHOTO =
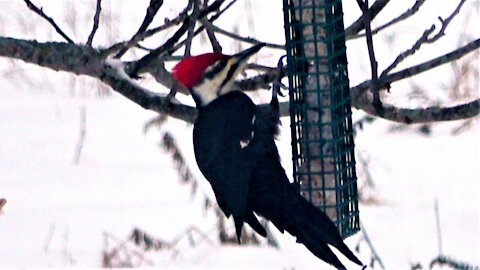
(234, 144)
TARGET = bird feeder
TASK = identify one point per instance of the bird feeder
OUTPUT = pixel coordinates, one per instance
(320, 110)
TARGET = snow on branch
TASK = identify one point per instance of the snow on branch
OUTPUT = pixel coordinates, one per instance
(84, 60)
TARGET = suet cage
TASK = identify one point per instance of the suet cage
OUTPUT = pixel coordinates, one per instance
(320, 110)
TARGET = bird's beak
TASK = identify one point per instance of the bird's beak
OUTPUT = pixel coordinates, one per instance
(242, 56)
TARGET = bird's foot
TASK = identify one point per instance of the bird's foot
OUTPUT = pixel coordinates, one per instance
(277, 83)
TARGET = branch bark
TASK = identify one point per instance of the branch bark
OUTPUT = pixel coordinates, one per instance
(152, 10)
(83, 60)
(358, 25)
(96, 19)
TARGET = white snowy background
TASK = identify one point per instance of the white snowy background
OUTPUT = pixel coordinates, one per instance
(57, 212)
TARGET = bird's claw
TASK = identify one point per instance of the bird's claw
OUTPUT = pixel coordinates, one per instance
(277, 83)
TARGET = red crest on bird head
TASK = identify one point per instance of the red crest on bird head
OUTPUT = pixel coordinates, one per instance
(189, 70)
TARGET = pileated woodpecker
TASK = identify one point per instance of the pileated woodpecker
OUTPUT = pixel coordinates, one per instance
(234, 144)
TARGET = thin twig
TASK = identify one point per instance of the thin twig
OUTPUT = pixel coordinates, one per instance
(446, 22)
(125, 45)
(40, 12)
(375, 256)
(377, 103)
(191, 29)
(2, 203)
(407, 14)
(216, 47)
(168, 46)
(452, 264)
(263, 68)
(152, 10)
(48, 240)
(82, 135)
(402, 56)
(96, 19)
(244, 39)
(201, 28)
(439, 229)
(411, 71)
(425, 38)
(358, 25)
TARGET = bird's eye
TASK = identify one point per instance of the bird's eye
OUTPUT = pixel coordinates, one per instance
(213, 69)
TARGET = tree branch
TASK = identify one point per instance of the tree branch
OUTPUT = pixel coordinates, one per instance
(377, 103)
(244, 39)
(216, 47)
(145, 98)
(79, 59)
(125, 45)
(358, 25)
(201, 28)
(73, 58)
(167, 48)
(408, 13)
(40, 12)
(425, 38)
(412, 71)
(402, 56)
(152, 10)
(421, 115)
(446, 22)
(191, 29)
(96, 19)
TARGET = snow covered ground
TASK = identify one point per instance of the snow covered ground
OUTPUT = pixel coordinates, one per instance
(124, 181)
(57, 212)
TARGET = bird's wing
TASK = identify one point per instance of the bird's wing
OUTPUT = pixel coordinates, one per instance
(222, 139)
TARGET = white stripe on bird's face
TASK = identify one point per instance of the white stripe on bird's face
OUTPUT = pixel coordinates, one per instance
(221, 82)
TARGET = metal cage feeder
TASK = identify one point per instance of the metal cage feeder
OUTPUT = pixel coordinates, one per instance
(320, 109)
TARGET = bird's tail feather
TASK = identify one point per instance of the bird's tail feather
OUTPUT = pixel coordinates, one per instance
(327, 231)
(318, 248)
(252, 220)
(315, 230)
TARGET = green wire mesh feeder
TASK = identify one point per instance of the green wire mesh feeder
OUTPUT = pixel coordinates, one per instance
(321, 124)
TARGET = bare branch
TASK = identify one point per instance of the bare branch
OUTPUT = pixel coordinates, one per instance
(216, 47)
(145, 98)
(371, 52)
(261, 81)
(421, 115)
(168, 47)
(191, 29)
(409, 52)
(446, 22)
(407, 116)
(125, 45)
(2, 204)
(358, 25)
(61, 56)
(422, 40)
(412, 71)
(408, 13)
(77, 59)
(201, 28)
(152, 10)
(40, 12)
(96, 19)
(244, 39)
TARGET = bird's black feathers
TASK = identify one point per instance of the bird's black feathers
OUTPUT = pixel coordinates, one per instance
(235, 150)
(221, 139)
